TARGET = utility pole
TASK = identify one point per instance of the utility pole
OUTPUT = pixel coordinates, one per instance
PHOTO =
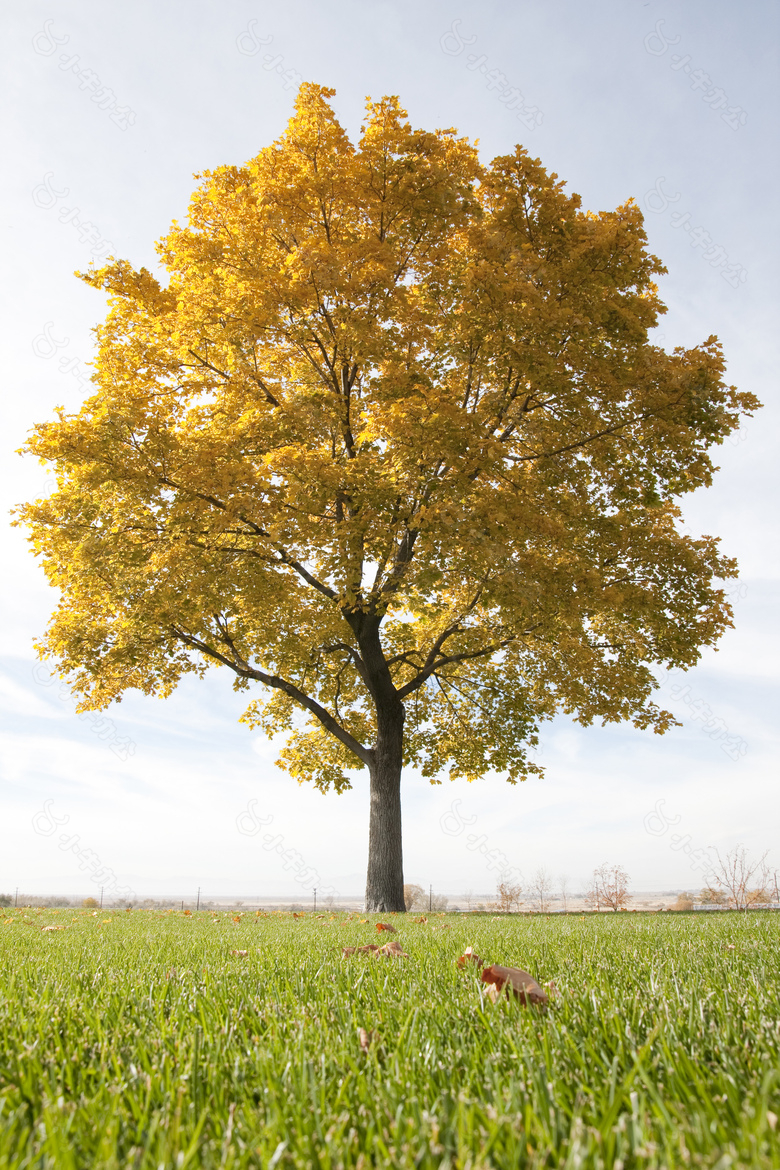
(16, 898)
(198, 905)
(101, 897)
(430, 898)
(315, 899)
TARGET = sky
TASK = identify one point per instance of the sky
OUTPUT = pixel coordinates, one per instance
(115, 108)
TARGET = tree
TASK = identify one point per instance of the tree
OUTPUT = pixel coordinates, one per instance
(415, 898)
(609, 888)
(387, 441)
(734, 874)
(90, 904)
(541, 888)
(563, 886)
(509, 895)
(684, 902)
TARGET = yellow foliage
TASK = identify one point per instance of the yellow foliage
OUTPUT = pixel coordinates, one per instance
(389, 437)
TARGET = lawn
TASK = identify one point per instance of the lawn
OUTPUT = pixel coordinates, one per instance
(145, 1040)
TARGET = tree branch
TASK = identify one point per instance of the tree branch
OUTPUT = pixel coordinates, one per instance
(240, 667)
(256, 530)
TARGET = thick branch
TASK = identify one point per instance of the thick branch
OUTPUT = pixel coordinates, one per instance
(244, 670)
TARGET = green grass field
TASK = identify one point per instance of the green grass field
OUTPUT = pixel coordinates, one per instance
(141, 1040)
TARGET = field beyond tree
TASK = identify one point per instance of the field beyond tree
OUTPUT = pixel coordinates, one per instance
(154, 1040)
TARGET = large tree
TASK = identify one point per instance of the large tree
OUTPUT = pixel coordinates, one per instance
(388, 439)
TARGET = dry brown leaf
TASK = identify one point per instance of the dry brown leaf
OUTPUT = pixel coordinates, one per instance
(242, 953)
(393, 948)
(188, 914)
(421, 919)
(45, 928)
(493, 993)
(369, 949)
(297, 915)
(469, 956)
(524, 986)
(386, 926)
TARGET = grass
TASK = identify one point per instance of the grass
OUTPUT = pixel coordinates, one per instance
(141, 1040)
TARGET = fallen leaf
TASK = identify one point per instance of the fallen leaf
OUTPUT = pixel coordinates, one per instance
(421, 919)
(730, 947)
(365, 1038)
(242, 953)
(393, 948)
(188, 914)
(236, 917)
(370, 948)
(493, 993)
(771, 1118)
(45, 928)
(386, 926)
(524, 986)
(469, 956)
(297, 915)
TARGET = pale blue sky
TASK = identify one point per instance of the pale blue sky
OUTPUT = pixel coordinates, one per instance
(687, 126)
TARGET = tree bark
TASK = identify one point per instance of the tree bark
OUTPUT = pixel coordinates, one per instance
(385, 877)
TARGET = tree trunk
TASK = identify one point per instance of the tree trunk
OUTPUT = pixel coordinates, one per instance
(385, 877)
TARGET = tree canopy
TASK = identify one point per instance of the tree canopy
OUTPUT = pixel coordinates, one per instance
(387, 436)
